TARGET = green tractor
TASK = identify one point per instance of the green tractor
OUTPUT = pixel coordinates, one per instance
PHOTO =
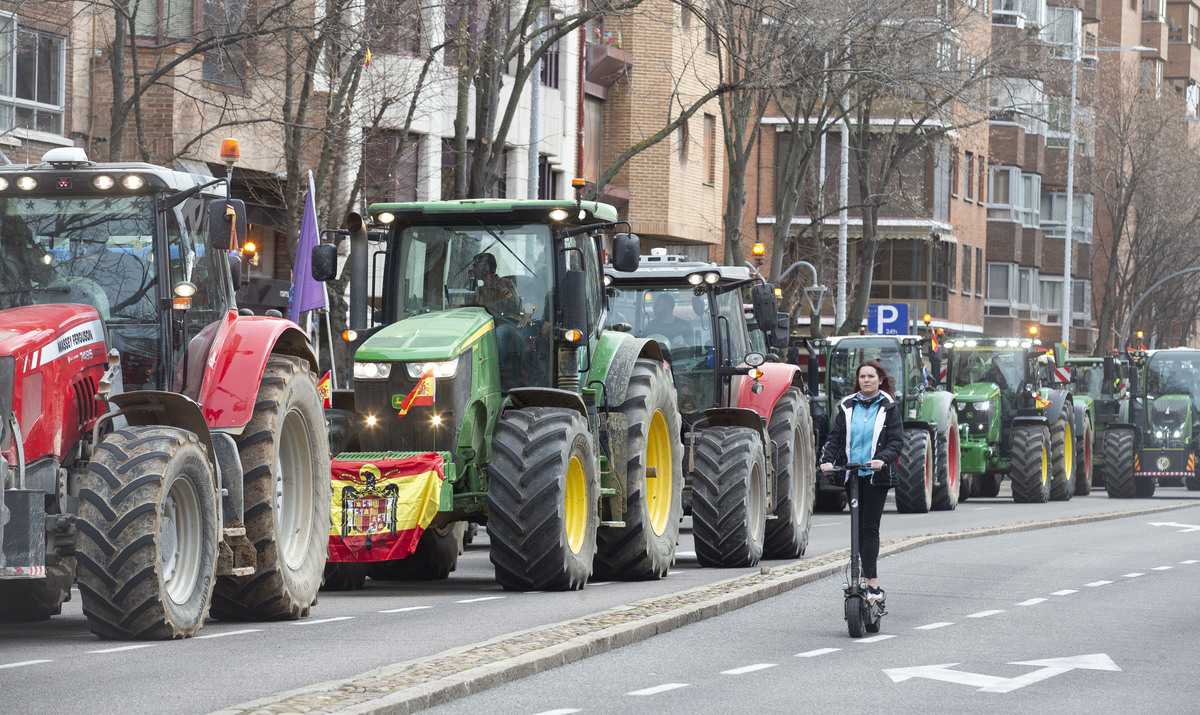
(560, 436)
(930, 464)
(1156, 437)
(1100, 389)
(1018, 421)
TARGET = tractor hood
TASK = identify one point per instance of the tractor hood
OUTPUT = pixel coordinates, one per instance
(1170, 412)
(432, 336)
(976, 392)
(33, 327)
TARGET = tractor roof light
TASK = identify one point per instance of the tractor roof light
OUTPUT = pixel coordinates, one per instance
(103, 182)
(558, 215)
(695, 278)
(26, 183)
(231, 151)
(712, 278)
(385, 217)
(133, 182)
(758, 250)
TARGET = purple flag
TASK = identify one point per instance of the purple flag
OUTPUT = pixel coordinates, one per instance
(307, 293)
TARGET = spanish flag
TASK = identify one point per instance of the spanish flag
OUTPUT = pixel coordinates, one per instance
(933, 343)
(380, 508)
(421, 395)
(325, 390)
(1041, 401)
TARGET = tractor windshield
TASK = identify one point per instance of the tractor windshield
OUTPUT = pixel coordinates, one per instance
(1089, 380)
(1173, 374)
(1003, 366)
(847, 355)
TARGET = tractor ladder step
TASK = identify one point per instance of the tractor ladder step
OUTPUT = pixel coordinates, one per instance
(617, 524)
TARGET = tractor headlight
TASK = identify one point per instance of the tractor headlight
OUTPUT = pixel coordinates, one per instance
(372, 370)
(982, 406)
(445, 368)
(1177, 433)
(1158, 434)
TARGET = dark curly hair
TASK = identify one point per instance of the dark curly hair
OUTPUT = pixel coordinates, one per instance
(885, 380)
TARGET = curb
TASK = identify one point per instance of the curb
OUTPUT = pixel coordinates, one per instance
(391, 690)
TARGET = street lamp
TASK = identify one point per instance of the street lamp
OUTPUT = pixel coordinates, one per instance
(1069, 240)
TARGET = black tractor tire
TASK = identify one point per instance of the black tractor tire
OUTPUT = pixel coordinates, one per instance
(1192, 483)
(1144, 488)
(729, 507)
(1118, 463)
(1083, 465)
(987, 485)
(830, 501)
(435, 557)
(643, 434)
(790, 429)
(345, 576)
(148, 533)
(914, 495)
(1030, 454)
(966, 486)
(543, 500)
(947, 482)
(287, 492)
(1062, 458)
(37, 599)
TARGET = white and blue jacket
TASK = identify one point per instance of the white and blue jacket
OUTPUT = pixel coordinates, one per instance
(888, 433)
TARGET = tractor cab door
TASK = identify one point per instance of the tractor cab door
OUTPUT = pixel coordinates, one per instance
(191, 259)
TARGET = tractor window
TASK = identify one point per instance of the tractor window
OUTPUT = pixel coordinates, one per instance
(1089, 380)
(1173, 374)
(847, 355)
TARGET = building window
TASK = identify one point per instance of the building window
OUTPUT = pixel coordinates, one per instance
(165, 18)
(31, 79)
(710, 150)
(1050, 300)
(395, 25)
(1000, 192)
(953, 171)
(1000, 289)
(1081, 303)
(390, 171)
(979, 271)
(952, 266)
(969, 173)
(1054, 216)
(462, 27)
(550, 66)
(548, 180)
(500, 187)
(593, 132)
(966, 271)
(902, 271)
(710, 33)
(225, 65)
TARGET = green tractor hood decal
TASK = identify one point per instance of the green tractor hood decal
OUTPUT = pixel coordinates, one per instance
(432, 336)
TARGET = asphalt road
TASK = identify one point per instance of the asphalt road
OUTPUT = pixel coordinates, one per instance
(48, 665)
(1069, 620)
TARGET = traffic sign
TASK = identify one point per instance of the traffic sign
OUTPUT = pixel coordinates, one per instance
(887, 318)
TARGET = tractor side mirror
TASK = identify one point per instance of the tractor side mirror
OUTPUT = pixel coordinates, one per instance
(627, 250)
(783, 330)
(766, 308)
(226, 220)
(324, 262)
(575, 287)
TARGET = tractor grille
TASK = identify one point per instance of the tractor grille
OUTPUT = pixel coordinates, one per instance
(416, 431)
(977, 420)
(88, 408)
(1169, 413)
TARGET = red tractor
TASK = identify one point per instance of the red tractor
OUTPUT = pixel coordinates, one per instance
(158, 445)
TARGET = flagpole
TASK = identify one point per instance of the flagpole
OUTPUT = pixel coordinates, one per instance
(329, 335)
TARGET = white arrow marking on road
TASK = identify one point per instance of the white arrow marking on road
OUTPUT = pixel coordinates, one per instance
(1183, 528)
(1050, 667)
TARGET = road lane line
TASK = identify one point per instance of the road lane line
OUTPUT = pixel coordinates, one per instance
(984, 614)
(815, 653)
(981, 508)
(24, 662)
(1132, 575)
(931, 626)
(592, 584)
(1065, 592)
(1031, 602)
(689, 554)
(560, 711)
(124, 647)
(674, 573)
(748, 669)
(230, 633)
(481, 598)
(658, 689)
(1094, 584)
(1190, 561)
(321, 620)
(874, 639)
(1162, 568)
(406, 609)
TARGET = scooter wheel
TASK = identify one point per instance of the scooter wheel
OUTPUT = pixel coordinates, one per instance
(856, 616)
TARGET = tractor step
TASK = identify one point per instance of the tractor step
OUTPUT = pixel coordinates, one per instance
(617, 524)
(608, 492)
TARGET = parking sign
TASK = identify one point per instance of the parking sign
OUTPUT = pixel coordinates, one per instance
(887, 318)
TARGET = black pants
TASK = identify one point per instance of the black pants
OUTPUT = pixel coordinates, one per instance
(870, 511)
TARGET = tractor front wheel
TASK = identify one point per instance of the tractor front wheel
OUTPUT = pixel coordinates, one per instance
(790, 429)
(1083, 473)
(1062, 458)
(729, 497)
(915, 493)
(1118, 463)
(543, 500)
(1030, 453)
(434, 558)
(947, 485)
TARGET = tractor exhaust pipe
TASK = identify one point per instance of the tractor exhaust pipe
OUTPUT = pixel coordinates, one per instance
(358, 271)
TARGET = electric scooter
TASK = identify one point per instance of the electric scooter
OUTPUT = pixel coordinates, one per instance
(862, 616)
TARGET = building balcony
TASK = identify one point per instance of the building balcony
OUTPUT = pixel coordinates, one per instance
(1154, 34)
(605, 63)
(1183, 61)
(1091, 11)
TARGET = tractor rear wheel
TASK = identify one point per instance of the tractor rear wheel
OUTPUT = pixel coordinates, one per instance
(434, 558)
(37, 599)
(643, 432)
(790, 429)
(915, 493)
(1062, 458)
(1030, 454)
(345, 576)
(729, 497)
(286, 488)
(947, 483)
(148, 534)
(966, 486)
(543, 498)
(1118, 463)
(1083, 472)
(987, 485)
(1144, 488)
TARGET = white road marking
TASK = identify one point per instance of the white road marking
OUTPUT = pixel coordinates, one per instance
(1190, 561)
(874, 639)
(230, 633)
(24, 662)
(829, 524)
(485, 598)
(596, 583)
(1094, 584)
(1031, 602)
(984, 614)
(124, 647)
(931, 626)
(818, 651)
(689, 554)
(321, 620)
(405, 609)
(529, 592)
(748, 669)
(981, 508)
(1065, 592)
(560, 711)
(674, 573)
(1132, 575)
(658, 689)
(912, 516)
(1162, 568)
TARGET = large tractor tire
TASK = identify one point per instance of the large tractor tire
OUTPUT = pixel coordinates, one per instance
(1118, 463)
(966, 486)
(790, 429)
(643, 433)
(987, 485)
(543, 499)
(1062, 458)
(434, 558)
(345, 576)
(1030, 454)
(37, 599)
(729, 501)
(148, 535)
(1083, 468)
(1144, 488)
(947, 488)
(286, 488)
(915, 493)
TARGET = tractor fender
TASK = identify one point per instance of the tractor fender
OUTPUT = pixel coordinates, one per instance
(738, 417)
(235, 365)
(1060, 399)
(519, 398)
(157, 408)
(613, 360)
(777, 378)
(1031, 419)
(935, 409)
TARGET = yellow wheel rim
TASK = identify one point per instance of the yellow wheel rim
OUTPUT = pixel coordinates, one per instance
(660, 474)
(1045, 464)
(576, 511)
(1069, 451)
